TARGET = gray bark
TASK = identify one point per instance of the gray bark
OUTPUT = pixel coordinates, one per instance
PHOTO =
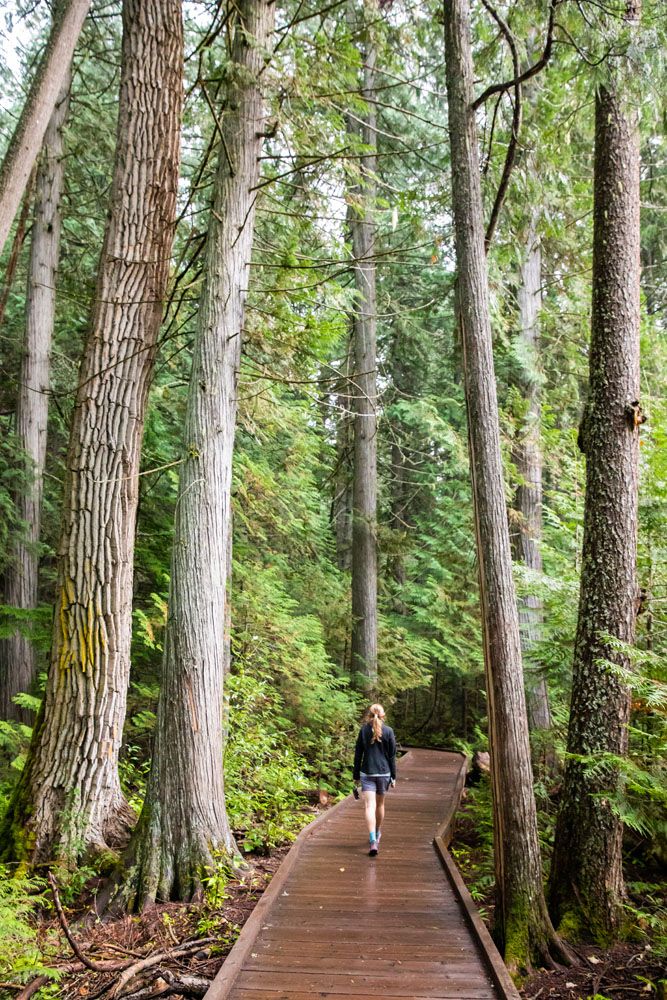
(528, 461)
(342, 500)
(18, 661)
(587, 888)
(69, 794)
(26, 142)
(364, 389)
(184, 823)
(522, 923)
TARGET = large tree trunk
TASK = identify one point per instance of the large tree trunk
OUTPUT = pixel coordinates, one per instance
(528, 461)
(26, 142)
(587, 888)
(18, 662)
(364, 389)
(69, 795)
(183, 825)
(522, 924)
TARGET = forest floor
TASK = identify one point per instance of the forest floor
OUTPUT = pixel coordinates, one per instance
(205, 931)
(628, 971)
(187, 944)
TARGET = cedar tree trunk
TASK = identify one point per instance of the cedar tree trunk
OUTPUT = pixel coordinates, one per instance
(523, 927)
(364, 389)
(183, 826)
(18, 661)
(528, 460)
(587, 888)
(69, 796)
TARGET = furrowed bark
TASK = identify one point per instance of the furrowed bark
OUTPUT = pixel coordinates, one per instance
(364, 390)
(523, 927)
(587, 888)
(183, 826)
(69, 798)
(18, 660)
(26, 142)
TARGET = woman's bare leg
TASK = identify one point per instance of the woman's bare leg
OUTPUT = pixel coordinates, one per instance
(379, 814)
(370, 810)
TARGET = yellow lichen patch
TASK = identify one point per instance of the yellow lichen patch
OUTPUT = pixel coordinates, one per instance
(82, 632)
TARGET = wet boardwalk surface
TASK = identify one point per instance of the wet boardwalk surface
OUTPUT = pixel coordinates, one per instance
(343, 925)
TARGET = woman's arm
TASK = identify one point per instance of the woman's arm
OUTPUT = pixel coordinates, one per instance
(358, 756)
(390, 752)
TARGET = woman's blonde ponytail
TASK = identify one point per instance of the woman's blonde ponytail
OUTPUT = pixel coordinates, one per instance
(375, 717)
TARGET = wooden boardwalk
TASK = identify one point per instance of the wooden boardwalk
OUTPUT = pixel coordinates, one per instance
(336, 923)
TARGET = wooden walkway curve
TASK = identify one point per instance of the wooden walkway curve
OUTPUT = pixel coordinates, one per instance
(336, 923)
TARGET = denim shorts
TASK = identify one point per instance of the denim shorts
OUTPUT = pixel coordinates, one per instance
(375, 783)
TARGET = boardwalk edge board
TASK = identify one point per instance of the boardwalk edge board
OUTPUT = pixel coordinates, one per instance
(224, 982)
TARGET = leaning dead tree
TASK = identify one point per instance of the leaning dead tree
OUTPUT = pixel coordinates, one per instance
(26, 142)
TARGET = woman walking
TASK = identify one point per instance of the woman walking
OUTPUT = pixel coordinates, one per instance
(375, 766)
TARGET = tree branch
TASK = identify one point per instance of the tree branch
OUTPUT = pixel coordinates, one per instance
(516, 125)
(499, 88)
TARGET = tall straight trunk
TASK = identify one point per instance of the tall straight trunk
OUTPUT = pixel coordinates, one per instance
(528, 460)
(184, 825)
(587, 888)
(364, 388)
(26, 142)
(523, 927)
(69, 796)
(342, 501)
(18, 660)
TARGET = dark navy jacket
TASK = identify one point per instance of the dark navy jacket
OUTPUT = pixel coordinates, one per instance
(375, 758)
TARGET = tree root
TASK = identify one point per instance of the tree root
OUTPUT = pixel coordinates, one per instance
(167, 984)
(132, 971)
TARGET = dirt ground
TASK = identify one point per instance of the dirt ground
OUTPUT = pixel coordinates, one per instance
(625, 972)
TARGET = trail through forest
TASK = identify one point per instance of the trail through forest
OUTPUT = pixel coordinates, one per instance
(333, 353)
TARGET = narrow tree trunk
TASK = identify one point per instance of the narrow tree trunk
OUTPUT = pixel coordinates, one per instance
(25, 144)
(69, 796)
(587, 888)
(364, 387)
(18, 662)
(342, 501)
(183, 825)
(528, 461)
(522, 923)
(15, 254)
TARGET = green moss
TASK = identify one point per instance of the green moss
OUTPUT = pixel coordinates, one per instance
(517, 943)
(573, 925)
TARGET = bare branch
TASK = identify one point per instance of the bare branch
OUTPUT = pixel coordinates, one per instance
(499, 88)
(516, 125)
